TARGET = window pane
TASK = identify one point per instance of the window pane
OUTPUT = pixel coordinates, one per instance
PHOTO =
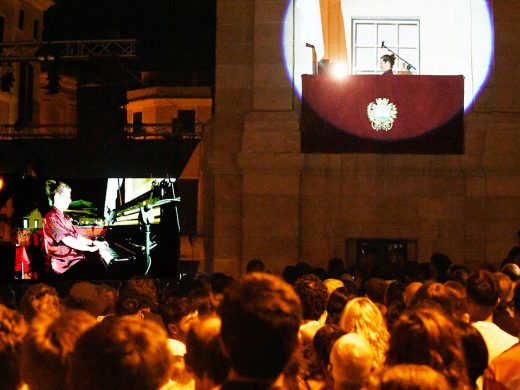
(410, 55)
(365, 58)
(387, 33)
(366, 34)
(400, 35)
(409, 35)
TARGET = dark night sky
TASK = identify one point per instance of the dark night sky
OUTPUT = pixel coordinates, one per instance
(172, 34)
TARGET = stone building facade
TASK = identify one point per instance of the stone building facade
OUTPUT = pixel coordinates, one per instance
(265, 199)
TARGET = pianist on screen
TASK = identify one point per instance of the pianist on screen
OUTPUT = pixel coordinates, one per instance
(68, 252)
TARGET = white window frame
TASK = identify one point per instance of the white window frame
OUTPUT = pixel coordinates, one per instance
(378, 51)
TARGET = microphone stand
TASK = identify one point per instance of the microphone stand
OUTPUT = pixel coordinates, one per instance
(314, 59)
(408, 65)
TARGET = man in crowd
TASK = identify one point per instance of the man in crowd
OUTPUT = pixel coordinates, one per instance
(63, 244)
(260, 316)
(504, 371)
(121, 353)
(482, 296)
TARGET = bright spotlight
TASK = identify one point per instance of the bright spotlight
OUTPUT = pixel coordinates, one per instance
(469, 47)
(338, 70)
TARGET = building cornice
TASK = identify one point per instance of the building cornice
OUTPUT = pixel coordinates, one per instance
(169, 93)
(42, 5)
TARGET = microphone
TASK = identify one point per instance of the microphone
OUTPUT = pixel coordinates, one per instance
(309, 45)
(382, 44)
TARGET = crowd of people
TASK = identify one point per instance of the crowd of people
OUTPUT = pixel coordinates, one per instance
(390, 325)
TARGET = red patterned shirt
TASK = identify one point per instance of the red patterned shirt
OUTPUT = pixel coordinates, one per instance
(56, 226)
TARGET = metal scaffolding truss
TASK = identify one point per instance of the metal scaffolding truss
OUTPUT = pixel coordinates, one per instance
(67, 50)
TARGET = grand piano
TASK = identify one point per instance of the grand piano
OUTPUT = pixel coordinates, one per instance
(147, 228)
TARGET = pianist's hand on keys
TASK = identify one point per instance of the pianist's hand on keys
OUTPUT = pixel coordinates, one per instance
(106, 253)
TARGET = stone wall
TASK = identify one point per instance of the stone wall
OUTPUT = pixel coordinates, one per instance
(265, 199)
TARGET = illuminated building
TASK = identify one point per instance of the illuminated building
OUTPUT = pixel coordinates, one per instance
(268, 200)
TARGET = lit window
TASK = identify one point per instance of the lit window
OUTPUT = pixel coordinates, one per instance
(401, 36)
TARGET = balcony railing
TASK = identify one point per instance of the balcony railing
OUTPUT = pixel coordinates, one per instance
(40, 131)
(133, 131)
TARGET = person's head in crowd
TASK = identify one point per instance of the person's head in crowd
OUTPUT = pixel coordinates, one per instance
(131, 302)
(40, 298)
(394, 293)
(410, 291)
(200, 300)
(145, 286)
(362, 316)
(336, 304)
(432, 293)
(513, 256)
(110, 295)
(394, 302)
(255, 265)
(409, 377)
(482, 295)
(313, 296)
(459, 273)
(87, 296)
(375, 289)
(322, 343)
(289, 274)
(475, 351)
(457, 296)
(186, 285)
(204, 356)
(365, 262)
(425, 271)
(410, 272)
(352, 362)
(441, 264)
(48, 345)
(12, 331)
(332, 284)
(426, 335)
(218, 283)
(516, 304)
(349, 284)
(512, 270)
(395, 256)
(335, 268)
(120, 353)
(7, 297)
(302, 268)
(487, 266)
(261, 316)
(178, 315)
(505, 289)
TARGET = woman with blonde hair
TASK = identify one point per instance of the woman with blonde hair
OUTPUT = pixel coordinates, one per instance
(362, 316)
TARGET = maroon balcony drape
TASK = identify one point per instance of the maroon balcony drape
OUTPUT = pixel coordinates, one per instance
(430, 114)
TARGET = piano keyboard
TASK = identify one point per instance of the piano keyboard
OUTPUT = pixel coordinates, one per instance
(115, 253)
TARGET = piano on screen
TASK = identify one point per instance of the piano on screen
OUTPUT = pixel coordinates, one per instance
(146, 227)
